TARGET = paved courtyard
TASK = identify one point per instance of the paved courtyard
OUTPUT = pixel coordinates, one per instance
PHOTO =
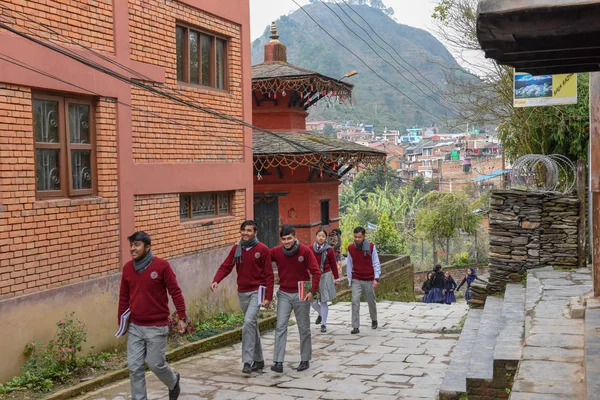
(406, 357)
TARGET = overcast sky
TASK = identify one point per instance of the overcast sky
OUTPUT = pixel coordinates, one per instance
(415, 13)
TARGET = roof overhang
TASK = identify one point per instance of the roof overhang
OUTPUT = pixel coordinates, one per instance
(541, 36)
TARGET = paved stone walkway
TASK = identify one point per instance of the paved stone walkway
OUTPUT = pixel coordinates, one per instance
(552, 365)
(406, 357)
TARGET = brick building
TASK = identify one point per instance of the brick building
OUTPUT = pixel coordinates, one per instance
(478, 172)
(86, 159)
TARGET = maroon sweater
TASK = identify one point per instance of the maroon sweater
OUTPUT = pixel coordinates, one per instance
(362, 266)
(330, 262)
(296, 268)
(146, 293)
(255, 270)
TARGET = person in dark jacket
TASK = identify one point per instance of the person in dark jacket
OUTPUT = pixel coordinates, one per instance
(469, 279)
(437, 285)
(449, 288)
(426, 287)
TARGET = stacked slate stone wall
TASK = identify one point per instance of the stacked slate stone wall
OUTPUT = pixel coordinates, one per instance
(530, 230)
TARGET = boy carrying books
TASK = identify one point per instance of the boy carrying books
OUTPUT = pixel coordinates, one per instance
(255, 280)
(144, 285)
(295, 265)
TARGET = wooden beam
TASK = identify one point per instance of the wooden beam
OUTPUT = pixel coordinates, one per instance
(312, 174)
(279, 172)
(595, 176)
(256, 99)
(345, 171)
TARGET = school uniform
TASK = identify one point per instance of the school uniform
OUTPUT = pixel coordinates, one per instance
(449, 288)
(363, 269)
(437, 285)
(254, 270)
(426, 287)
(469, 279)
(302, 266)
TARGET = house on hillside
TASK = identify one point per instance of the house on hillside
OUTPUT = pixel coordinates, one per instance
(86, 159)
(297, 174)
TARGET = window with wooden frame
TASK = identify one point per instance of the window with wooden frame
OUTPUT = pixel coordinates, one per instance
(201, 58)
(204, 205)
(64, 137)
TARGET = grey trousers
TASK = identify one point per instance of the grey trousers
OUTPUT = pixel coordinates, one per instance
(366, 289)
(251, 346)
(147, 343)
(286, 302)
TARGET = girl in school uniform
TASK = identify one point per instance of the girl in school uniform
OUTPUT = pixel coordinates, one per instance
(449, 287)
(437, 285)
(469, 279)
(426, 287)
(325, 256)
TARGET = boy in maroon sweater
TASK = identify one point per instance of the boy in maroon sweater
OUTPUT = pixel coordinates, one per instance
(252, 262)
(295, 263)
(144, 285)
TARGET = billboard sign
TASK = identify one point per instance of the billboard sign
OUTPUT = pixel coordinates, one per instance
(544, 90)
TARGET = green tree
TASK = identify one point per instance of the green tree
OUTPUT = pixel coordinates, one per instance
(386, 237)
(328, 131)
(443, 216)
(379, 177)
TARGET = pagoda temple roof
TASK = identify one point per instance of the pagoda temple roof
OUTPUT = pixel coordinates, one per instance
(294, 149)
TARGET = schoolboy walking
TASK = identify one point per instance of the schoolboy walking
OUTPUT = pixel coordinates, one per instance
(295, 263)
(363, 270)
(145, 282)
(252, 261)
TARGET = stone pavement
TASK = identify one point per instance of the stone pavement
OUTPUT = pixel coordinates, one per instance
(406, 357)
(552, 365)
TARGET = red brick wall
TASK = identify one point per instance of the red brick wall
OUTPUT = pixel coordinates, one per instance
(44, 244)
(158, 215)
(453, 170)
(89, 22)
(205, 138)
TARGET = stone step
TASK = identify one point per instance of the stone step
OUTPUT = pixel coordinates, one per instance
(592, 348)
(455, 380)
(509, 343)
(481, 365)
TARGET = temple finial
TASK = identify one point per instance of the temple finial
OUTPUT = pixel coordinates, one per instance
(274, 35)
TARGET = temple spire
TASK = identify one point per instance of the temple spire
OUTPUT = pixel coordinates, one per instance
(275, 51)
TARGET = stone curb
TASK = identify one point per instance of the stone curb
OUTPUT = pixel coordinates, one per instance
(200, 346)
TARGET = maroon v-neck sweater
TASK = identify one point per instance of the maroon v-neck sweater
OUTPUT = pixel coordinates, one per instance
(296, 268)
(146, 293)
(255, 270)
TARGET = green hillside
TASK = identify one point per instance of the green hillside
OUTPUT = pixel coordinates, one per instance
(375, 102)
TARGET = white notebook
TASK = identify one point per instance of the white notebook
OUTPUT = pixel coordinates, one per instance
(123, 323)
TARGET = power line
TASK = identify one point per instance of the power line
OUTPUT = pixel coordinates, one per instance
(383, 59)
(175, 98)
(365, 63)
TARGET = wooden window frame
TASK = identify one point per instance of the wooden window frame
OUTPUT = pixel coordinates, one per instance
(65, 146)
(213, 51)
(190, 196)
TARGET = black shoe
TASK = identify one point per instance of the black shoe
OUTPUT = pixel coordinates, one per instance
(374, 324)
(174, 394)
(318, 321)
(355, 331)
(258, 365)
(247, 368)
(277, 367)
(303, 365)
(323, 329)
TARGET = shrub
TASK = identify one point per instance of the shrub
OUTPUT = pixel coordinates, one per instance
(51, 362)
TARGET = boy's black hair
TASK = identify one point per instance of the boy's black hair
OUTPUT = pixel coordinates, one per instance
(141, 237)
(287, 230)
(249, 222)
(360, 229)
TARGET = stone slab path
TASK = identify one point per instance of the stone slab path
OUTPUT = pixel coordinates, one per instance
(406, 357)
(552, 365)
